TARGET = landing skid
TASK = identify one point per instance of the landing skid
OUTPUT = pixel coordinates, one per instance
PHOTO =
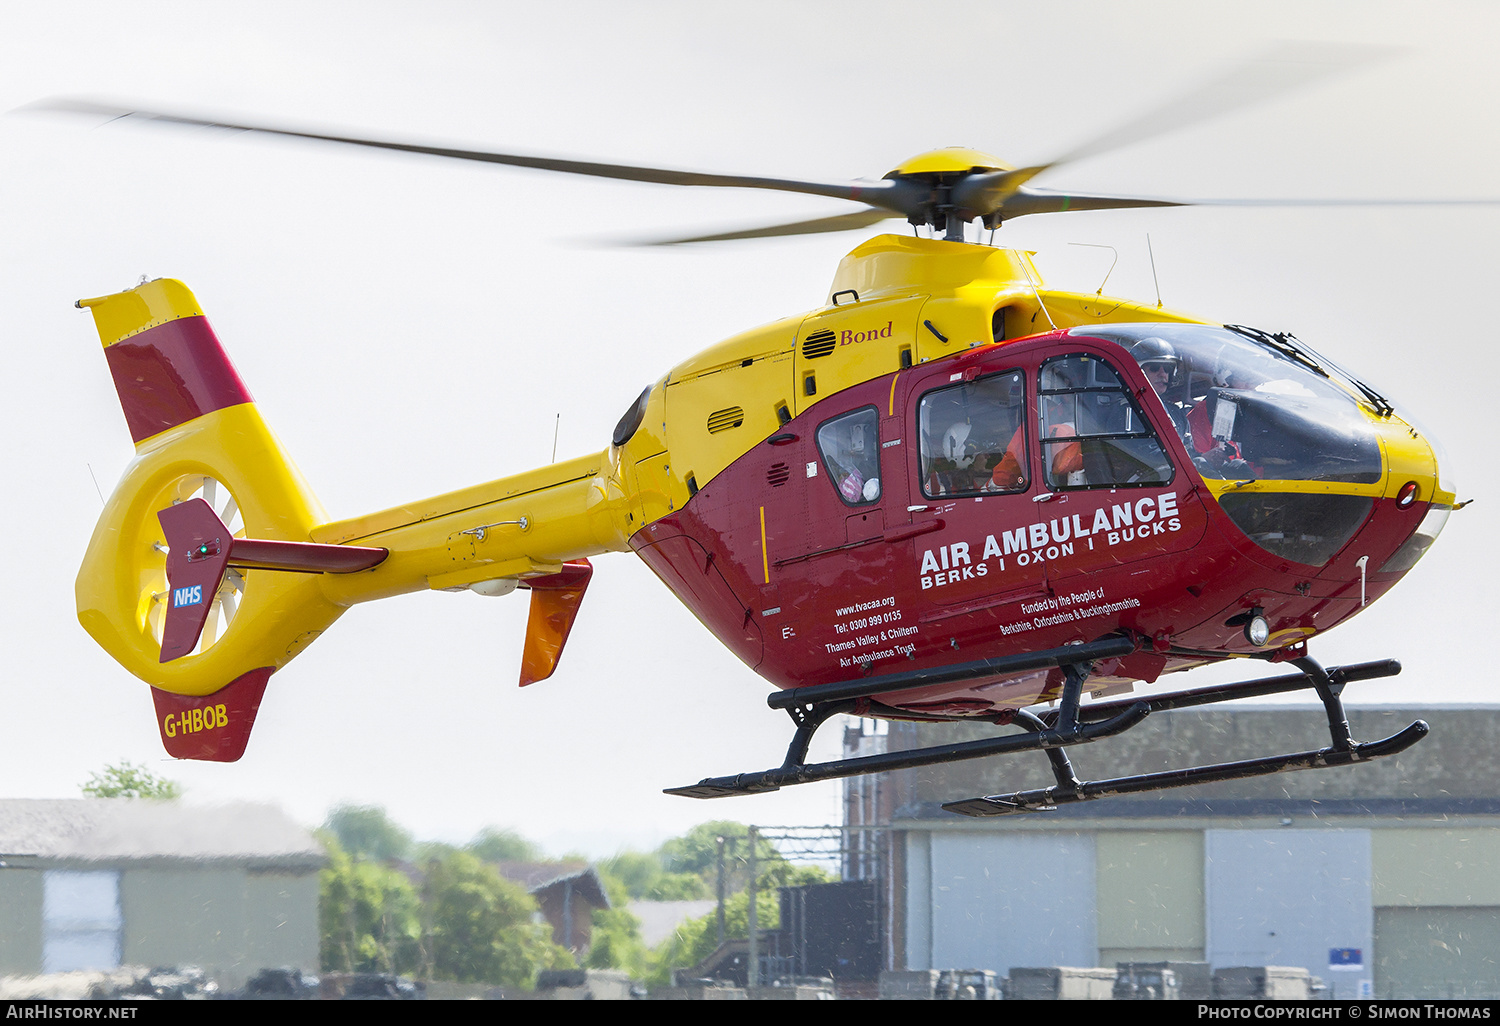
(1055, 730)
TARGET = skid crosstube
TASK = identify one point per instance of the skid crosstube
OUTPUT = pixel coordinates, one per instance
(1055, 730)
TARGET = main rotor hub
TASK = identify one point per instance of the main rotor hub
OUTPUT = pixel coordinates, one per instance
(949, 161)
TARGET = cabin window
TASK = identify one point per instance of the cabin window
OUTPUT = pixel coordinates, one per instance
(1092, 432)
(973, 437)
(850, 446)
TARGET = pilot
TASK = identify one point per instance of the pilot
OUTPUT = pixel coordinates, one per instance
(1160, 364)
(952, 471)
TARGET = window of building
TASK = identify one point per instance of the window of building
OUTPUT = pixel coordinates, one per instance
(81, 920)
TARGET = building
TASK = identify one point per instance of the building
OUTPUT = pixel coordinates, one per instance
(101, 882)
(566, 893)
(1384, 879)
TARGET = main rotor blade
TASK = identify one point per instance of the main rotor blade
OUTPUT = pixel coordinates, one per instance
(1038, 201)
(837, 223)
(1471, 201)
(1275, 72)
(894, 195)
(1033, 201)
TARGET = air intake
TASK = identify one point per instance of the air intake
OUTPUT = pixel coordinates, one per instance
(778, 475)
(819, 343)
(723, 420)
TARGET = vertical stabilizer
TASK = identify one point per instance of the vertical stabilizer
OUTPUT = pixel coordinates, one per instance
(206, 465)
(166, 361)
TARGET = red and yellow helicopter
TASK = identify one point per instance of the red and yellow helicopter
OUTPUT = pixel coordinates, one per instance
(950, 493)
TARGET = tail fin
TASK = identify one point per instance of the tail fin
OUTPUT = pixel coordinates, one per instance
(197, 434)
(213, 564)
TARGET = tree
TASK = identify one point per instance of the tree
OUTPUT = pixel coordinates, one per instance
(366, 830)
(368, 915)
(496, 845)
(643, 878)
(127, 780)
(696, 939)
(697, 851)
(480, 926)
(617, 942)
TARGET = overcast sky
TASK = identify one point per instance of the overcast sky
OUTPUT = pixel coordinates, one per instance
(410, 326)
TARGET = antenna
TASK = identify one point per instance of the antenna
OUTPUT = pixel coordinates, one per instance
(1152, 254)
(555, 428)
(1025, 266)
(1116, 252)
(96, 485)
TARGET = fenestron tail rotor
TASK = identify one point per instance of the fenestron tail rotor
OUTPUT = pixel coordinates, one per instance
(944, 189)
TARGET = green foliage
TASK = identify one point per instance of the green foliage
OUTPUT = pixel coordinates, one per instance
(481, 928)
(697, 851)
(366, 830)
(127, 780)
(495, 845)
(644, 879)
(636, 871)
(617, 943)
(679, 887)
(368, 916)
(696, 939)
(784, 874)
(464, 922)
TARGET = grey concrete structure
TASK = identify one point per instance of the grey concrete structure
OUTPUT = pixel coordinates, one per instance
(1382, 879)
(95, 883)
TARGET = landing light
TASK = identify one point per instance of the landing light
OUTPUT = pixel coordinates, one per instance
(1257, 631)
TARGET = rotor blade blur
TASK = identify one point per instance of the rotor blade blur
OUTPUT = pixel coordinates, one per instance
(842, 222)
(1280, 70)
(1275, 72)
(881, 192)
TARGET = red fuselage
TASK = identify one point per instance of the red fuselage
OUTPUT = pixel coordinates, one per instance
(808, 587)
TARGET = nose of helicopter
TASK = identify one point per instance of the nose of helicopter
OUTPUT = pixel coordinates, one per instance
(1324, 483)
(1343, 536)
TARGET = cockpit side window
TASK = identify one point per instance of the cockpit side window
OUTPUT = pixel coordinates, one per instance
(973, 437)
(1093, 434)
(850, 447)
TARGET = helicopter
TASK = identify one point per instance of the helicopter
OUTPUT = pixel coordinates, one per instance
(951, 493)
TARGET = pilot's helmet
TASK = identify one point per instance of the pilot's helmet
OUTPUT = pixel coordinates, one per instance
(955, 444)
(1153, 351)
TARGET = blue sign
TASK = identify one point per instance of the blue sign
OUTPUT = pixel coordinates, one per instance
(1346, 958)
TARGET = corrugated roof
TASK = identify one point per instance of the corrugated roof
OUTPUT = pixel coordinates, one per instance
(537, 877)
(133, 829)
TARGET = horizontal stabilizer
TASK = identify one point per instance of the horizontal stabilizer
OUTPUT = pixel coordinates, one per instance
(199, 551)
